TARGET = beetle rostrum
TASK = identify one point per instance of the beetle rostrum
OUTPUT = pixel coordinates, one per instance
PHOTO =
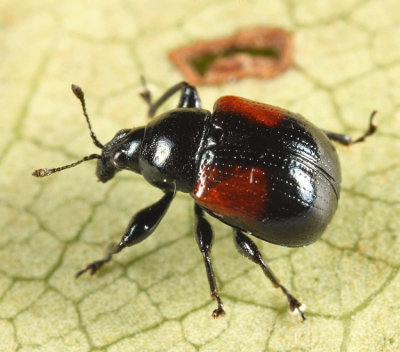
(261, 169)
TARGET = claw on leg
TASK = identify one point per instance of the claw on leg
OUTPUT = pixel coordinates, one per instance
(220, 309)
(94, 267)
(296, 306)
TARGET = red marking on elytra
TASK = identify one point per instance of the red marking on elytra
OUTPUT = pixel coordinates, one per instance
(232, 192)
(268, 115)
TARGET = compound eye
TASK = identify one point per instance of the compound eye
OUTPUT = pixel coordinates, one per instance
(120, 159)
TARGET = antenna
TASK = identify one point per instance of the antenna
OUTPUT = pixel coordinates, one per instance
(46, 172)
(79, 94)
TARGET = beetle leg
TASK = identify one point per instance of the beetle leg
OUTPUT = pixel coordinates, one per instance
(145, 93)
(189, 97)
(347, 140)
(140, 227)
(248, 248)
(204, 238)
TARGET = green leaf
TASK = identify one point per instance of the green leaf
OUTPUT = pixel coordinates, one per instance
(155, 296)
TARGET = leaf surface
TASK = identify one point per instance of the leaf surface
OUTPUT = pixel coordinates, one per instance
(155, 296)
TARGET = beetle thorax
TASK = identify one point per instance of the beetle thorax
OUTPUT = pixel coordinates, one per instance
(170, 148)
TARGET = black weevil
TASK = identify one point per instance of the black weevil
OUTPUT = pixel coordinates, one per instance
(260, 169)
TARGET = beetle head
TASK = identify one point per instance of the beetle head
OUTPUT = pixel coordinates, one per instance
(121, 153)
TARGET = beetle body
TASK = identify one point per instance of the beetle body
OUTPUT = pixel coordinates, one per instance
(254, 166)
(260, 169)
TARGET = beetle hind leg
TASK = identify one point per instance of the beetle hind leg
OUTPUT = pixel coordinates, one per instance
(204, 238)
(345, 139)
(248, 248)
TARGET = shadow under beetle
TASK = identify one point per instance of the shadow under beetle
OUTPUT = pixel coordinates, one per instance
(260, 169)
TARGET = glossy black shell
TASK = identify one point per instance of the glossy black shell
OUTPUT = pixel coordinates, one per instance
(297, 185)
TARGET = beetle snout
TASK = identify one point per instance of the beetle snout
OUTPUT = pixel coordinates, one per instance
(105, 170)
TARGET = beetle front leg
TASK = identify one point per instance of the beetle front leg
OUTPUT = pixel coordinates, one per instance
(345, 139)
(248, 248)
(204, 238)
(140, 227)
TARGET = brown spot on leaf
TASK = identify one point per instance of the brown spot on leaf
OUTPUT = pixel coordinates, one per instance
(258, 52)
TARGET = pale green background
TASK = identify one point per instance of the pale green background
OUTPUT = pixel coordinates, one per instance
(155, 297)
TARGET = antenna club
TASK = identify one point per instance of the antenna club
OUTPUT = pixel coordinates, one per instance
(42, 172)
(77, 91)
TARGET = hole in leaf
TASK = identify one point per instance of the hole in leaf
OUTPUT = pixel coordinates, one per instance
(259, 52)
